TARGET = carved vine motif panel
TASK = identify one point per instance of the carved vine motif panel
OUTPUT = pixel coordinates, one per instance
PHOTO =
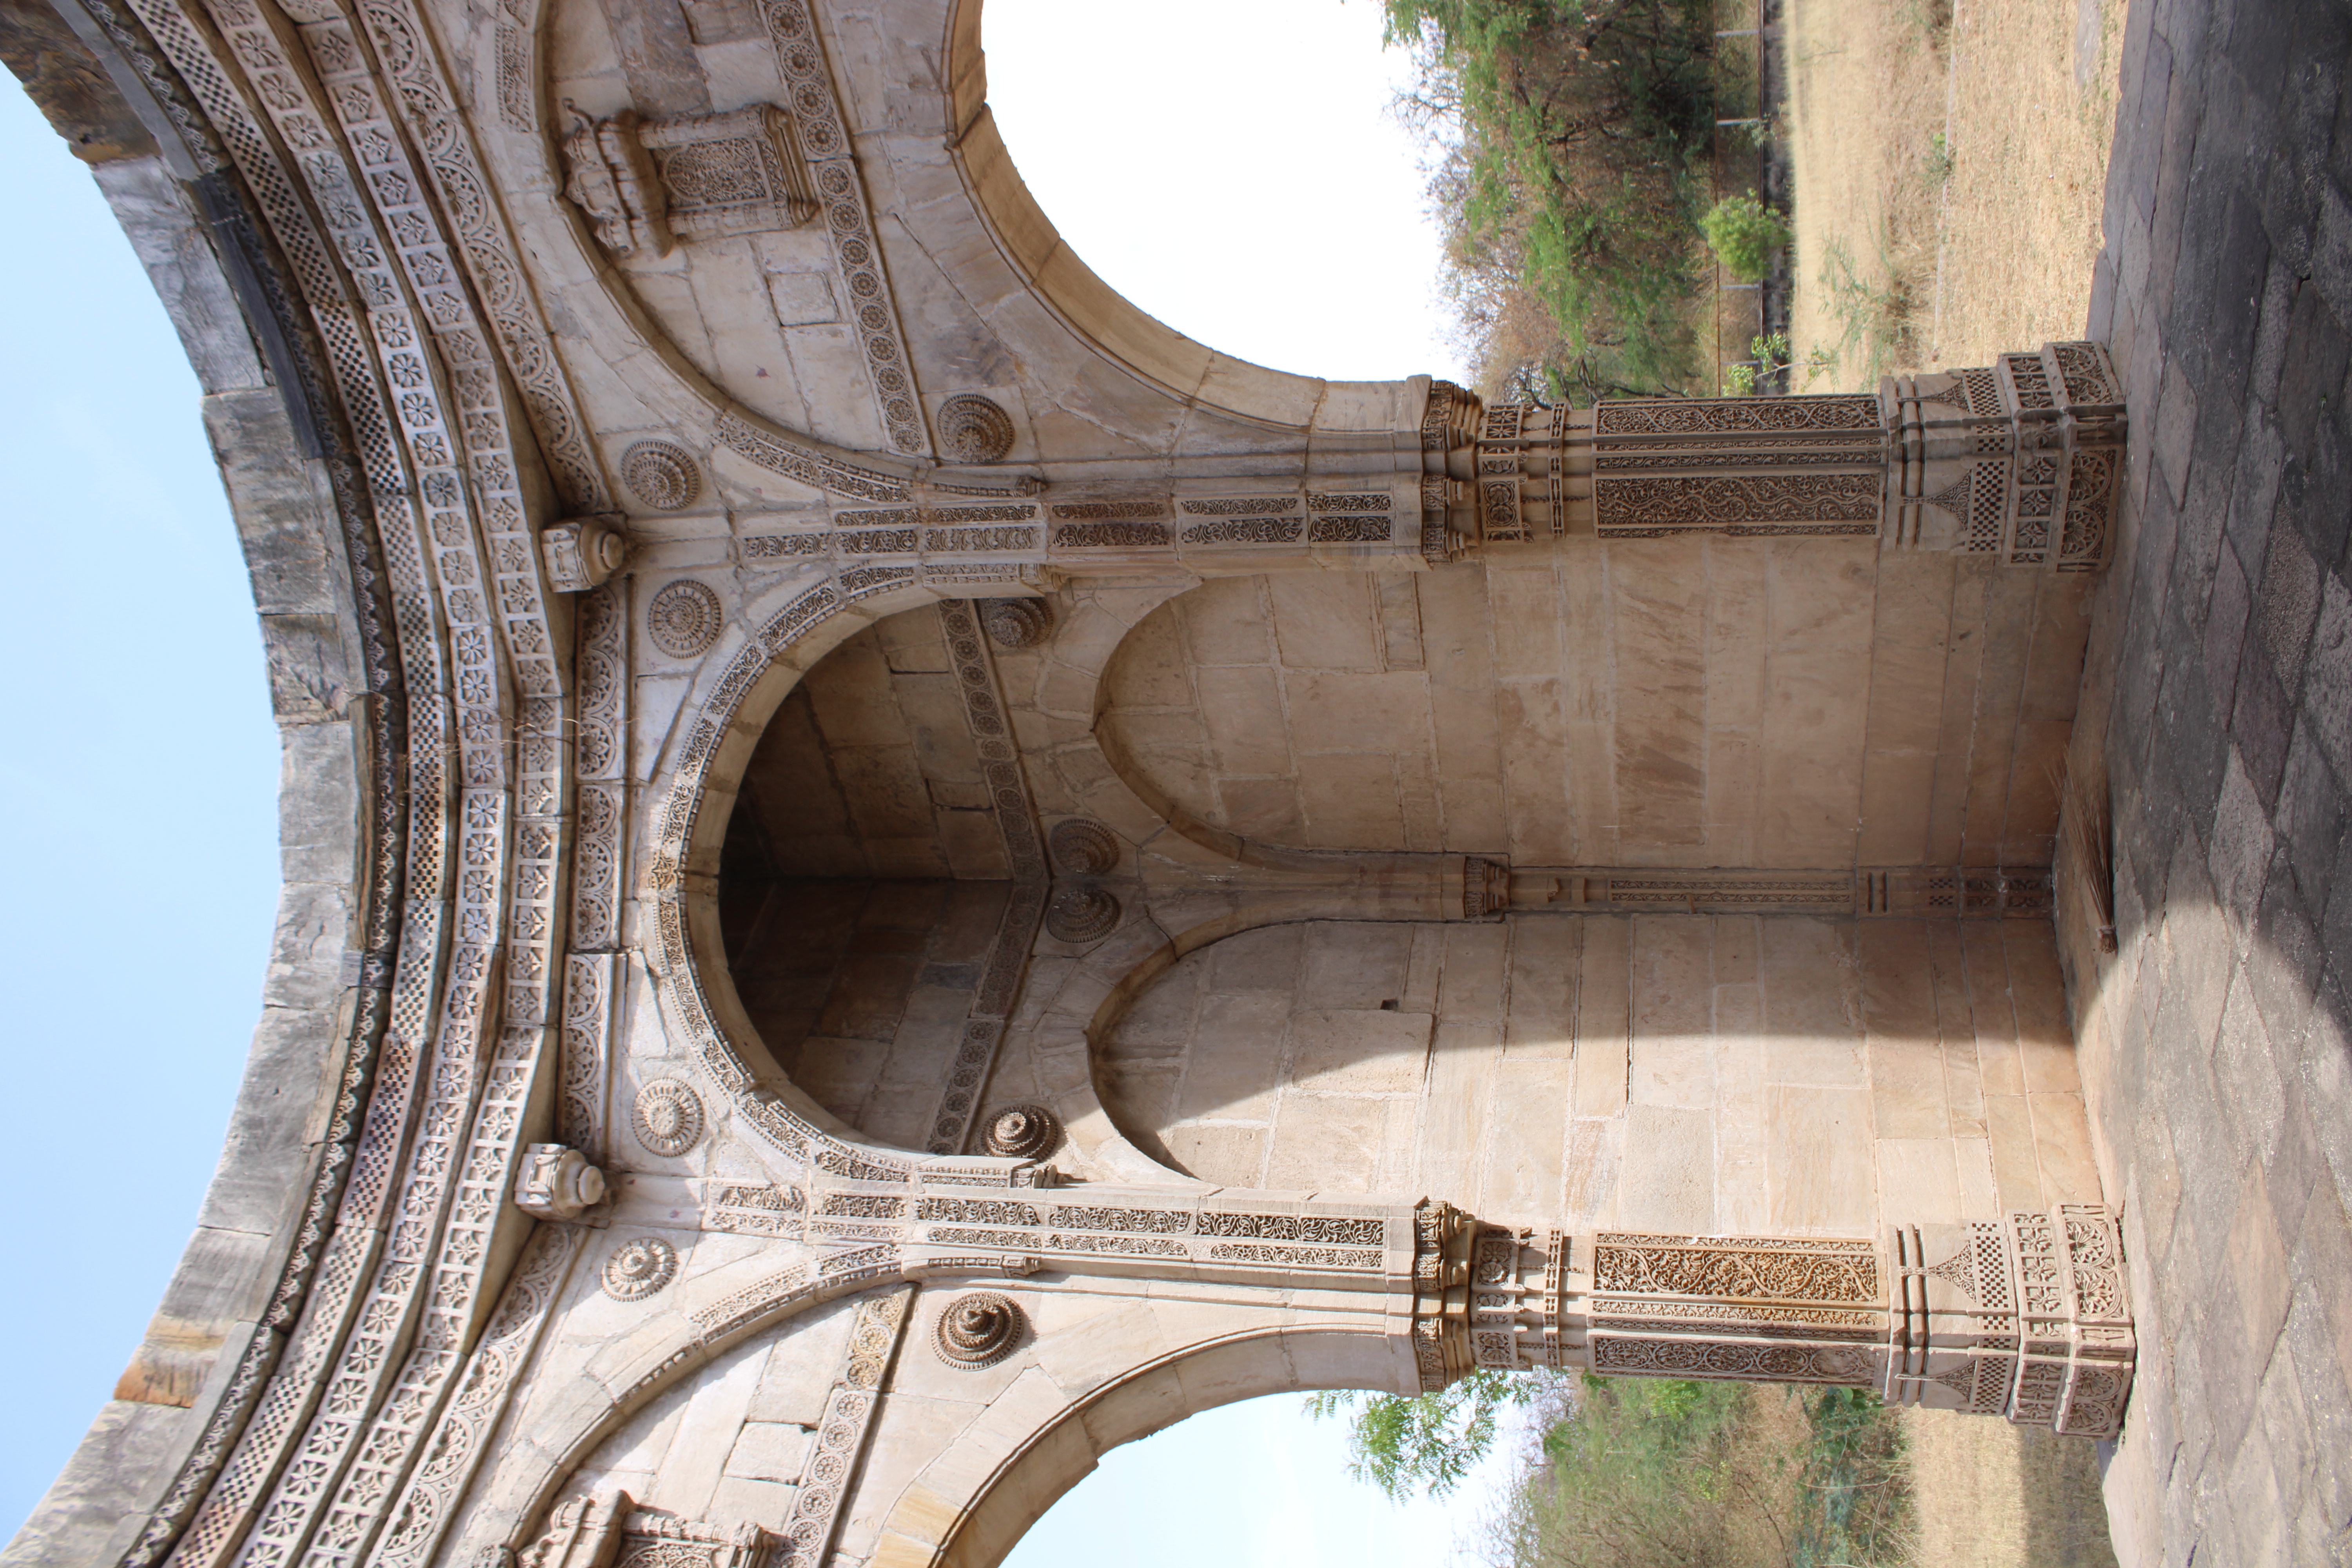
(1742, 1362)
(1736, 415)
(1654, 506)
(1761, 1269)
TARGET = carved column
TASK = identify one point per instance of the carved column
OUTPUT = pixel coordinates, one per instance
(2028, 1318)
(2022, 461)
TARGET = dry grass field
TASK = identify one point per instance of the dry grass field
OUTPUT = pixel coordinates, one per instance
(1986, 1494)
(1950, 160)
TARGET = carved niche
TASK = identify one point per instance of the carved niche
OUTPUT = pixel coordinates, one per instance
(646, 184)
(609, 1531)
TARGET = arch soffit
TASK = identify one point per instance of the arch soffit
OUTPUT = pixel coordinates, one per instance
(775, 639)
(738, 688)
(770, 644)
(944, 1517)
(740, 683)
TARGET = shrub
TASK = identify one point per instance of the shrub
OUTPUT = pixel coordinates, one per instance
(1744, 233)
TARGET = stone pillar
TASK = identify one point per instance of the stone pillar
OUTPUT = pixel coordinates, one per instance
(2028, 1318)
(2022, 461)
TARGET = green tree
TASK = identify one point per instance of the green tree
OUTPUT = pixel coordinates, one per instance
(1570, 135)
(1424, 1442)
(1744, 233)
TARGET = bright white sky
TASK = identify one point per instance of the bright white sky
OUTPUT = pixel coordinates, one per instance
(1230, 166)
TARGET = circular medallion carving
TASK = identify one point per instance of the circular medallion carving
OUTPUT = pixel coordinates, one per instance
(684, 618)
(668, 1118)
(639, 1268)
(662, 476)
(1017, 623)
(1082, 913)
(974, 430)
(979, 1329)
(1083, 848)
(1022, 1131)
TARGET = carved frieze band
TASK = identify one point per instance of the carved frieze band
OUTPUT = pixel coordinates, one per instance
(314, 1288)
(1490, 888)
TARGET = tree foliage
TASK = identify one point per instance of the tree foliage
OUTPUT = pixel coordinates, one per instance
(1571, 133)
(1652, 1472)
(1744, 233)
(1427, 1442)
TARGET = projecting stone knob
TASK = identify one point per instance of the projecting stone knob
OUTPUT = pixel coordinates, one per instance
(979, 1329)
(583, 553)
(557, 1182)
(1083, 848)
(1022, 1131)
(1017, 623)
(1081, 914)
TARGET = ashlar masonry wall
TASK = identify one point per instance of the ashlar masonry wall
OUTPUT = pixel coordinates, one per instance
(1779, 1075)
(1695, 703)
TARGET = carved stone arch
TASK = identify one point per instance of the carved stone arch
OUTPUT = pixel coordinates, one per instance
(1090, 309)
(694, 1323)
(994, 1477)
(522, 141)
(757, 662)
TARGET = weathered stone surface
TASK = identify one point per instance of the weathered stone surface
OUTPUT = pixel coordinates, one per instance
(1381, 925)
(2213, 1040)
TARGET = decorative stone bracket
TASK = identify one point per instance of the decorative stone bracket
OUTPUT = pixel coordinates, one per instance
(583, 553)
(2022, 460)
(2029, 1318)
(557, 1182)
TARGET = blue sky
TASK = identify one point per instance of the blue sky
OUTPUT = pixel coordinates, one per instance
(1237, 176)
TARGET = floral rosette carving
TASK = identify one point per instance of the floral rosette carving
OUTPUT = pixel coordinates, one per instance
(666, 1118)
(639, 1268)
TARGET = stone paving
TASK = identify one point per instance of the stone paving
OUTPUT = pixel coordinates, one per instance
(2216, 1042)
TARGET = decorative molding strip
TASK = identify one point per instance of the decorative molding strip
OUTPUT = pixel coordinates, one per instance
(839, 1451)
(817, 108)
(590, 997)
(821, 471)
(1736, 415)
(1974, 892)
(1024, 904)
(1247, 506)
(461, 1440)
